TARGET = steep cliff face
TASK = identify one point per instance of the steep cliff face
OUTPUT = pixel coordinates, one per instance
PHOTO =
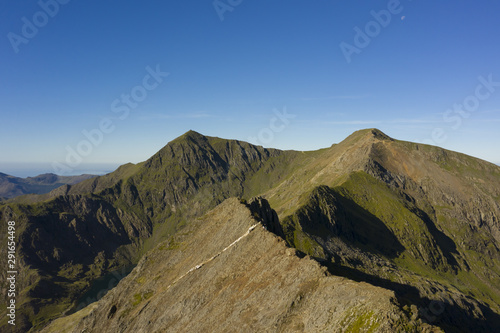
(410, 258)
(197, 172)
(244, 280)
(62, 246)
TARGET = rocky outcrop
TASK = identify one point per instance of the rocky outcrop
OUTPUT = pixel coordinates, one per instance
(262, 212)
(257, 285)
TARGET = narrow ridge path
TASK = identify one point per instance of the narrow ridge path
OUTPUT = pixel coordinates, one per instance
(215, 256)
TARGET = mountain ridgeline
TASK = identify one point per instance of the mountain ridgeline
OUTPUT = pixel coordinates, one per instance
(11, 186)
(415, 224)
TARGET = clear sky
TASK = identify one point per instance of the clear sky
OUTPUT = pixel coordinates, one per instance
(286, 74)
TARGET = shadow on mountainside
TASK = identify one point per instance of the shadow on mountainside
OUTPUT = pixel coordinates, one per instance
(369, 233)
(445, 314)
(445, 243)
(328, 215)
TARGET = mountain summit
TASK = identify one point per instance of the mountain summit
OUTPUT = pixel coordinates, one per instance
(412, 229)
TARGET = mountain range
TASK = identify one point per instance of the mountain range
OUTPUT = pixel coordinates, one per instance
(11, 186)
(371, 234)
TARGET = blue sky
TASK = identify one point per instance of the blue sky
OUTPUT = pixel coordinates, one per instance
(286, 74)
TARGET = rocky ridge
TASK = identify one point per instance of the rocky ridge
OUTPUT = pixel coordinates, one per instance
(245, 280)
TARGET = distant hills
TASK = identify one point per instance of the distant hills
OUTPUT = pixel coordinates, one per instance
(11, 186)
(371, 233)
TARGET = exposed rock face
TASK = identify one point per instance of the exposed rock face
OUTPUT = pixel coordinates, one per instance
(244, 279)
(64, 245)
(262, 211)
(352, 242)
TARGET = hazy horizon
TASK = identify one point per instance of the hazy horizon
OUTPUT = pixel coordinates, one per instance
(24, 170)
(27, 169)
